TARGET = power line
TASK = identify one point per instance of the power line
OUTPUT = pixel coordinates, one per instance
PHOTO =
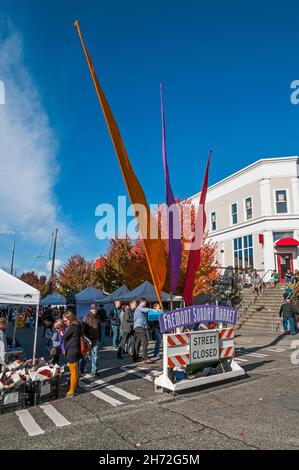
(67, 255)
(40, 254)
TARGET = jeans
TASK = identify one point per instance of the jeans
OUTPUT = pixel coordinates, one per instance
(158, 336)
(103, 332)
(126, 339)
(140, 338)
(93, 356)
(289, 320)
(115, 335)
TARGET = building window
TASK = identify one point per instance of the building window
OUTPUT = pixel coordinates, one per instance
(281, 201)
(278, 235)
(234, 209)
(248, 208)
(213, 221)
(243, 252)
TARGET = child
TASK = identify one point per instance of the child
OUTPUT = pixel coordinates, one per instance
(57, 343)
(3, 343)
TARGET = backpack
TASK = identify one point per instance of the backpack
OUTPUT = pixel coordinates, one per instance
(85, 346)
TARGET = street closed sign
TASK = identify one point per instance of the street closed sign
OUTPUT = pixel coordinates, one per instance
(204, 346)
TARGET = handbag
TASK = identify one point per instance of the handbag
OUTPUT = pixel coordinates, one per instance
(85, 346)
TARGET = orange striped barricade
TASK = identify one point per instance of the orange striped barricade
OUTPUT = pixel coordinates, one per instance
(198, 347)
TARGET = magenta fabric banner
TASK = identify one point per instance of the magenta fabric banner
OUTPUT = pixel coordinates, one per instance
(194, 255)
(174, 243)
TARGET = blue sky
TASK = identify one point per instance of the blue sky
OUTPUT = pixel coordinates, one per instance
(226, 69)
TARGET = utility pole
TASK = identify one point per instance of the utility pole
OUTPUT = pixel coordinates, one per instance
(12, 257)
(53, 262)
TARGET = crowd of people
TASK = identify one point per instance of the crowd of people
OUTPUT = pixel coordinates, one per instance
(127, 323)
(131, 329)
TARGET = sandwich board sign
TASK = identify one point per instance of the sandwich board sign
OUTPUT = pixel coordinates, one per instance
(204, 346)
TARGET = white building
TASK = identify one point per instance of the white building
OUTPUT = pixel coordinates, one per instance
(253, 215)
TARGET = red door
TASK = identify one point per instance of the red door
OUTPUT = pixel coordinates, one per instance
(284, 262)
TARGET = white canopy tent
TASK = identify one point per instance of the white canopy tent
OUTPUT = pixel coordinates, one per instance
(13, 291)
(53, 299)
(85, 298)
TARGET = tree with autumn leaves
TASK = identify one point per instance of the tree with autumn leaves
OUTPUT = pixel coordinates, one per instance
(38, 282)
(77, 274)
(125, 261)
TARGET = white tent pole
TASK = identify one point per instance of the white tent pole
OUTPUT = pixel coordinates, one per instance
(14, 330)
(35, 332)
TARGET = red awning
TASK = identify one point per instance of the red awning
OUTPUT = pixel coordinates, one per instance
(287, 242)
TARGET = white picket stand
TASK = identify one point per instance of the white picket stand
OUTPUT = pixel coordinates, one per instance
(180, 353)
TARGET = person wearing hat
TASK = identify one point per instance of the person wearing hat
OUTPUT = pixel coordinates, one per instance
(91, 328)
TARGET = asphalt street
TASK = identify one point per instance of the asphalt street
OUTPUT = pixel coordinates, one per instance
(120, 410)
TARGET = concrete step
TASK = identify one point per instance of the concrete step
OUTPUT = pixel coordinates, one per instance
(249, 329)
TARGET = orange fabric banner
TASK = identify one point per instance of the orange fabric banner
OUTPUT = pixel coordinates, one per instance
(148, 228)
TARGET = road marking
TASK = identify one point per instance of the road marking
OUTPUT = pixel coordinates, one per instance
(55, 416)
(137, 373)
(157, 372)
(110, 400)
(118, 390)
(257, 355)
(152, 371)
(240, 360)
(275, 350)
(29, 423)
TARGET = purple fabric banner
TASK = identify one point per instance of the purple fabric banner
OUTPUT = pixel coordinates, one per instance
(189, 316)
(174, 243)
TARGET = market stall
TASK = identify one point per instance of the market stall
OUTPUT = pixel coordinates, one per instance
(13, 291)
(117, 294)
(23, 384)
(85, 298)
(53, 299)
(145, 290)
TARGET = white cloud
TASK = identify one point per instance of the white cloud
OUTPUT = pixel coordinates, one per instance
(6, 230)
(28, 150)
(58, 264)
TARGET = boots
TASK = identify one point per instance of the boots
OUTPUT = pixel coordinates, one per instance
(119, 356)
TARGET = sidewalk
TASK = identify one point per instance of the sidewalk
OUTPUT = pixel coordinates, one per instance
(251, 338)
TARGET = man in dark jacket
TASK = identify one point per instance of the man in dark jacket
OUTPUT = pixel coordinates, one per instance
(91, 328)
(114, 317)
(102, 315)
(288, 312)
(127, 328)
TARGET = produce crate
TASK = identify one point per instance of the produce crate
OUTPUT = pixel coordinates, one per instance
(13, 398)
(42, 391)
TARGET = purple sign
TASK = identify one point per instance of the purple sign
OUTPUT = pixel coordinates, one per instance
(188, 316)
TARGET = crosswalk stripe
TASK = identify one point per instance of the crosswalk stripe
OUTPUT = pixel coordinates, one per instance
(257, 355)
(157, 372)
(152, 371)
(117, 390)
(112, 401)
(138, 374)
(55, 416)
(238, 359)
(29, 423)
(275, 350)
